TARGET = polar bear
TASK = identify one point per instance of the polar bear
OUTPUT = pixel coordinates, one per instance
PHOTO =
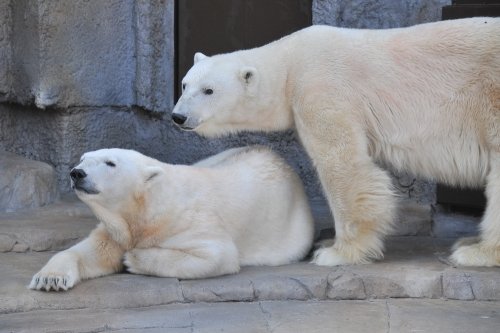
(244, 206)
(423, 99)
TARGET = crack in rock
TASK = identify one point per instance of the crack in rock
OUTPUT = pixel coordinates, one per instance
(388, 316)
(308, 291)
(267, 317)
(469, 282)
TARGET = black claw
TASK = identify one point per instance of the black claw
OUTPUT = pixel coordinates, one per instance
(37, 280)
(45, 280)
(64, 282)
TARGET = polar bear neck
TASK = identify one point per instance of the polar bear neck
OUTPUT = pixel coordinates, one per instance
(272, 62)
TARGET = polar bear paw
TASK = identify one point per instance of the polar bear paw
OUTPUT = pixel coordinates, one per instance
(60, 274)
(52, 281)
(469, 253)
(329, 256)
(132, 260)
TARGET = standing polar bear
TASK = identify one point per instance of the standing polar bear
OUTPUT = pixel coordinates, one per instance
(425, 99)
(243, 206)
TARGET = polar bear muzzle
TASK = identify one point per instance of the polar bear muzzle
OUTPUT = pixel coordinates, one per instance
(79, 182)
(179, 119)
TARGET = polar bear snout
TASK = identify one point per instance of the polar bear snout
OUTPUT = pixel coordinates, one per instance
(179, 119)
(80, 182)
(77, 175)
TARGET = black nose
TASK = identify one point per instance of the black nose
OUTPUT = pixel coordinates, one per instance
(77, 174)
(179, 119)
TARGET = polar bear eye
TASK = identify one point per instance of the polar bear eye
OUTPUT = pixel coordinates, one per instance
(183, 86)
(111, 164)
(208, 91)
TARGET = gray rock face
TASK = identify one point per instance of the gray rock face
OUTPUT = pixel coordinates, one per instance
(87, 53)
(454, 225)
(5, 50)
(374, 14)
(25, 183)
(154, 81)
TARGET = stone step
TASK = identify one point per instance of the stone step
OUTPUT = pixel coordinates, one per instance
(391, 315)
(414, 267)
(52, 227)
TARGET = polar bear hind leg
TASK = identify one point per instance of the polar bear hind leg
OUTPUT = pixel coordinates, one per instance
(486, 251)
(205, 259)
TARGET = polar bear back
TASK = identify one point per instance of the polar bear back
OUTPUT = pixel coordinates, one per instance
(425, 96)
(265, 202)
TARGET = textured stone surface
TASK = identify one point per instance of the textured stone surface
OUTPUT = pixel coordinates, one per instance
(25, 183)
(325, 317)
(412, 269)
(375, 14)
(87, 53)
(442, 316)
(53, 227)
(24, 51)
(457, 285)
(411, 188)
(5, 48)
(342, 285)
(454, 225)
(216, 290)
(291, 316)
(413, 218)
(154, 82)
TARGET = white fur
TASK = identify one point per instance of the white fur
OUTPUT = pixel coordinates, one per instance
(244, 206)
(424, 99)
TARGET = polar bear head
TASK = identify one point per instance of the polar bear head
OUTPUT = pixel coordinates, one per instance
(212, 92)
(113, 177)
(233, 92)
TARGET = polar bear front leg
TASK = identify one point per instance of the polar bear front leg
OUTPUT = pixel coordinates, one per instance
(484, 250)
(206, 258)
(359, 192)
(363, 209)
(97, 255)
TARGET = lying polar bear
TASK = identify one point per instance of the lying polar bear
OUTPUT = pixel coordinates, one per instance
(424, 99)
(244, 206)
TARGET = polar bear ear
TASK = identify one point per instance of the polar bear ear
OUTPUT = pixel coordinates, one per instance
(199, 56)
(151, 173)
(249, 77)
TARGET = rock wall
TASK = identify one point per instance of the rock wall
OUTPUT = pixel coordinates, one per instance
(376, 14)
(5, 48)
(60, 54)
(88, 74)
